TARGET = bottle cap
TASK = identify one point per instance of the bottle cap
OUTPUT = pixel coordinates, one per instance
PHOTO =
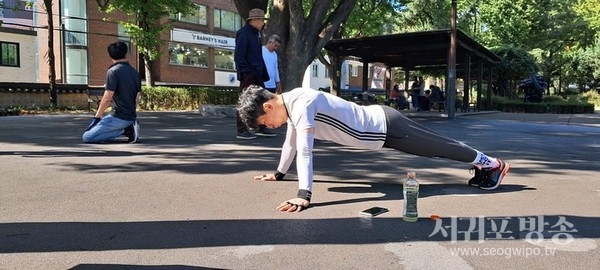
(411, 174)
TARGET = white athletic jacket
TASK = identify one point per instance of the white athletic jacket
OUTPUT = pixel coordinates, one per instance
(333, 119)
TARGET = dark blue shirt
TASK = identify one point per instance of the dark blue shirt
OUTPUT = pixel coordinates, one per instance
(248, 54)
(125, 81)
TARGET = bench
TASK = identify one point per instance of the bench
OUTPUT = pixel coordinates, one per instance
(94, 96)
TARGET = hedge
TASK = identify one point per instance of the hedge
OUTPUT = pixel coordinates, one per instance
(550, 104)
(187, 98)
(544, 108)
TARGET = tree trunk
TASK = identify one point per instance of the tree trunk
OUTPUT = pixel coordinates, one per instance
(50, 55)
(560, 76)
(148, 69)
(335, 74)
(302, 38)
(334, 66)
(146, 25)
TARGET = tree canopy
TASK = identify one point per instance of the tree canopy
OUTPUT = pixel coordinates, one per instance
(554, 31)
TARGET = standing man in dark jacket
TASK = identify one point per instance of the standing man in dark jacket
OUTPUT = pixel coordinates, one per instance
(251, 69)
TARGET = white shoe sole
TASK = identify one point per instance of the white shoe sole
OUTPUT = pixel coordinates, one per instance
(245, 138)
(136, 131)
(266, 134)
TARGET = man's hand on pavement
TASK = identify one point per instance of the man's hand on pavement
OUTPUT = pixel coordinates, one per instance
(265, 177)
(293, 205)
(93, 123)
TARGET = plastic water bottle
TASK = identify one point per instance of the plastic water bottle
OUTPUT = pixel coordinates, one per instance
(411, 194)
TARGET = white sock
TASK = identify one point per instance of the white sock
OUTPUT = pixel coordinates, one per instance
(484, 161)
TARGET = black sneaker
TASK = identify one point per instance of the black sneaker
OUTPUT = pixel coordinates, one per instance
(478, 177)
(246, 135)
(132, 132)
(494, 176)
(265, 133)
(128, 132)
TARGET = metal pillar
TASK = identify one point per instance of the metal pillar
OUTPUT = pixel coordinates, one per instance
(479, 87)
(467, 85)
(489, 104)
(365, 77)
(452, 65)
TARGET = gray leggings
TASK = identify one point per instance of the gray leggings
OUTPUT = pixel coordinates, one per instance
(408, 136)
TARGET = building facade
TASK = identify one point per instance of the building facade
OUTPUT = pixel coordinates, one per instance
(198, 49)
(17, 42)
(17, 55)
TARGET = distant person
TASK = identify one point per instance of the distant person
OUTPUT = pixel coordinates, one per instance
(422, 99)
(312, 114)
(270, 57)
(415, 89)
(123, 87)
(435, 97)
(251, 68)
(397, 98)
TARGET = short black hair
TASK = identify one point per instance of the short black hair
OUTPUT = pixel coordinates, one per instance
(117, 50)
(250, 104)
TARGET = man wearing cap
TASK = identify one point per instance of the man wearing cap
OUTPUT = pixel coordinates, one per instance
(251, 69)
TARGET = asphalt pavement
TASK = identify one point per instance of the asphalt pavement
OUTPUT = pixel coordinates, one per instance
(184, 198)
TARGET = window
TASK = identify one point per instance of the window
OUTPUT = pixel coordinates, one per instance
(327, 73)
(224, 59)
(354, 70)
(9, 54)
(188, 55)
(315, 71)
(74, 19)
(227, 20)
(76, 64)
(196, 16)
(124, 37)
(75, 23)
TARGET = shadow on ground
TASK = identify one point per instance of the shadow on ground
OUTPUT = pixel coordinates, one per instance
(100, 236)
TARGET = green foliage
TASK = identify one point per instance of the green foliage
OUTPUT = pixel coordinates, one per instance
(161, 98)
(589, 10)
(586, 65)
(592, 97)
(218, 97)
(423, 15)
(7, 111)
(554, 99)
(35, 109)
(547, 24)
(550, 104)
(516, 62)
(516, 65)
(372, 18)
(553, 28)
